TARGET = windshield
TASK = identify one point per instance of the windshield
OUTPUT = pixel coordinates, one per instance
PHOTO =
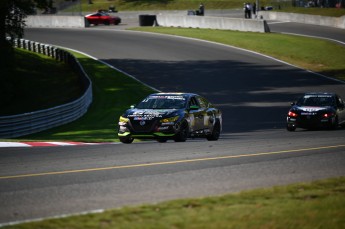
(163, 102)
(316, 101)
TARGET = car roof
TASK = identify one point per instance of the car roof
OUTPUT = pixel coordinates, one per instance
(97, 13)
(175, 93)
(320, 94)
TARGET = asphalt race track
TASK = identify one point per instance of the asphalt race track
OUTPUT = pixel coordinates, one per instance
(254, 151)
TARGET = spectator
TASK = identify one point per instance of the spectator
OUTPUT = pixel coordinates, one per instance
(247, 10)
(201, 9)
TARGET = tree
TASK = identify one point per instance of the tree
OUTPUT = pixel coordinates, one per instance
(12, 15)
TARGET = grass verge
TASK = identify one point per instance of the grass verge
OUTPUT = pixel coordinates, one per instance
(312, 205)
(139, 5)
(128, 5)
(29, 88)
(113, 92)
(329, 12)
(307, 53)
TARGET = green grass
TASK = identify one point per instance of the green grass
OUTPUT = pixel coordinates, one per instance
(130, 5)
(330, 12)
(138, 5)
(313, 205)
(308, 53)
(113, 93)
(36, 83)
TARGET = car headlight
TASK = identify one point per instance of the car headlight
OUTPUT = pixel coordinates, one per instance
(123, 120)
(169, 120)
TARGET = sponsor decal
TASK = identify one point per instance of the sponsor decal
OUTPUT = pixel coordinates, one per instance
(308, 113)
(317, 96)
(146, 115)
(175, 97)
(311, 109)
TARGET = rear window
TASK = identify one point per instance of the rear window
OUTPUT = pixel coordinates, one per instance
(316, 100)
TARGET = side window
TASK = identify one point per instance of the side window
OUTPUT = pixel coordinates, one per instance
(193, 102)
(339, 101)
(203, 102)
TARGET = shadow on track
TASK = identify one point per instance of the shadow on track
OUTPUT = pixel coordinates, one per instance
(251, 97)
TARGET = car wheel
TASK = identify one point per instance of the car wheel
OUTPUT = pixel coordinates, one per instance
(126, 140)
(290, 127)
(162, 140)
(335, 125)
(182, 135)
(214, 136)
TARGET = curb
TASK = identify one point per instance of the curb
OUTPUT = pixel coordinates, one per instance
(40, 144)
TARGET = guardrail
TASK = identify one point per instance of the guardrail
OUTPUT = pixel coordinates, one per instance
(33, 122)
(56, 21)
(337, 22)
(206, 22)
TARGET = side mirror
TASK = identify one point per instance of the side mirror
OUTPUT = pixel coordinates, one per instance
(194, 107)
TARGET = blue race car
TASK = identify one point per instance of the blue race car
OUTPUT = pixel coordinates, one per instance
(316, 110)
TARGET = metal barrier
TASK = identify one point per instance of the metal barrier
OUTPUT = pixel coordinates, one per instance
(33, 122)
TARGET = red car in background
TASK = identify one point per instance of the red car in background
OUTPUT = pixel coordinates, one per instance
(102, 18)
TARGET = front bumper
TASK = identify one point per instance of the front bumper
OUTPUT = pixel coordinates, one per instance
(310, 121)
(156, 131)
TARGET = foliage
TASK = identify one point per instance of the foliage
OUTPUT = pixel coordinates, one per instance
(12, 15)
(113, 93)
(30, 88)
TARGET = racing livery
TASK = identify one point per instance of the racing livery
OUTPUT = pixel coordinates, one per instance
(314, 110)
(164, 116)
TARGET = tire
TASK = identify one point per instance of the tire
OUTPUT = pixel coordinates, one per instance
(162, 140)
(290, 127)
(214, 136)
(182, 135)
(126, 140)
(335, 125)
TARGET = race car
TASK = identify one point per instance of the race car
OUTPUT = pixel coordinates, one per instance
(102, 18)
(316, 110)
(176, 116)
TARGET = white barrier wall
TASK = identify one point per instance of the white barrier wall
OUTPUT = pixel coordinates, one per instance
(205, 22)
(338, 22)
(56, 21)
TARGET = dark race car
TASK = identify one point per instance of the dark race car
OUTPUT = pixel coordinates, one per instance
(102, 18)
(316, 110)
(177, 116)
